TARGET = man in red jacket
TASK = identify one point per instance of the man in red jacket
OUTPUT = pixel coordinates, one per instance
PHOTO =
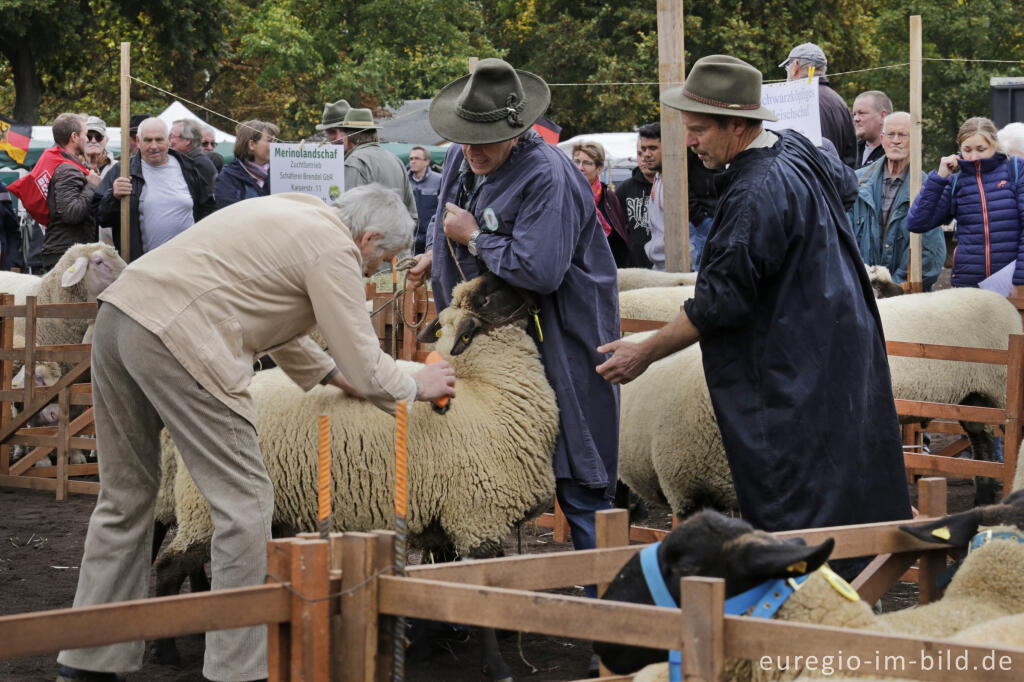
(70, 192)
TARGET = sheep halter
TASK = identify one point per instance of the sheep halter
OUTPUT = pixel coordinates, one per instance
(324, 475)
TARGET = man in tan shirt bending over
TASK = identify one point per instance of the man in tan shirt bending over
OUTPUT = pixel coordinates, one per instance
(174, 344)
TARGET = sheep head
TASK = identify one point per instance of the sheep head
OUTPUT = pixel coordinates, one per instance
(881, 282)
(95, 266)
(487, 302)
(713, 545)
(958, 529)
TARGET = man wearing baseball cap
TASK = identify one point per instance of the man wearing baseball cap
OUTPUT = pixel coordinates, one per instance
(512, 204)
(792, 344)
(836, 120)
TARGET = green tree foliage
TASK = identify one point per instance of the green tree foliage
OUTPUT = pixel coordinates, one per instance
(281, 60)
(952, 91)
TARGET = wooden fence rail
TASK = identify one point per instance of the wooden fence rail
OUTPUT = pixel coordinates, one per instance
(328, 605)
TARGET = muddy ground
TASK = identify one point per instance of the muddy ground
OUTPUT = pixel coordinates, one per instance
(41, 544)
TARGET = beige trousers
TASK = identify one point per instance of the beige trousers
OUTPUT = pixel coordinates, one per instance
(139, 387)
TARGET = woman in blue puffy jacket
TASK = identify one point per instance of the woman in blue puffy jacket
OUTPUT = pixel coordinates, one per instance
(248, 175)
(978, 187)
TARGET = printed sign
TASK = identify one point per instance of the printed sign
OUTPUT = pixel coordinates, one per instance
(796, 105)
(308, 169)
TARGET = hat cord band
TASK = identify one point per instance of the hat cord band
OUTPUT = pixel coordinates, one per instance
(510, 112)
(717, 103)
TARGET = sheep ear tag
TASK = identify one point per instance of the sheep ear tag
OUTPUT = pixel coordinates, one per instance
(75, 273)
(838, 584)
(941, 533)
(430, 333)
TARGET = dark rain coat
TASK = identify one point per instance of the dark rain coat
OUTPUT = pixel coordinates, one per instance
(793, 348)
(545, 237)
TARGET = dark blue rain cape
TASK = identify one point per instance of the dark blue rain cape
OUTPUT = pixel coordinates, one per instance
(793, 348)
(539, 231)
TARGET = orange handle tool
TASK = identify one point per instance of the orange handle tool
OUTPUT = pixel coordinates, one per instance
(442, 404)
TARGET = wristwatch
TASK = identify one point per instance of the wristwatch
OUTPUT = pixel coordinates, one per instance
(471, 244)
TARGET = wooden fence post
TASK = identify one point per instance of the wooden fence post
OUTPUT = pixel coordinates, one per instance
(1014, 410)
(310, 647)
(385, 629)
(6, 372)
(279, 635)
(358, 608)
(703, 605)
(931, 501)
(611, 529)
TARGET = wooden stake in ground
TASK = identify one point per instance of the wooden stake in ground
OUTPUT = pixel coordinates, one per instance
(324, 475)
(401, 531)
(126, 114)
(675, 185)
(914, 272)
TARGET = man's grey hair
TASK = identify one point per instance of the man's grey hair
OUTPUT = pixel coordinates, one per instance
(149, 122)
(192, 131)
(376, 208)
(879, 100)
(1011, 139)
(819, 68)
(885, 123)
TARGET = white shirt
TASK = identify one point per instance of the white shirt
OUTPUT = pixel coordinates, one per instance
(165, 205)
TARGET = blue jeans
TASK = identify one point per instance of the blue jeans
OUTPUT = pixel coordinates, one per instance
(698, 235)
(579, 503)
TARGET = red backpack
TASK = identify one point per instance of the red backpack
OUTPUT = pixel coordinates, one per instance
(33, 188)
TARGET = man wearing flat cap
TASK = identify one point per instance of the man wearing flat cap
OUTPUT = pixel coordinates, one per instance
(792, 344)
(365, 160)
(514, 205)
(834, 114)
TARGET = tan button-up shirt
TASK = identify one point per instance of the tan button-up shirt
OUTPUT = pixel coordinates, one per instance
(255, 277)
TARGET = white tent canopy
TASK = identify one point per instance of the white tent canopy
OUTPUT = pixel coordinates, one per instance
(175, 112)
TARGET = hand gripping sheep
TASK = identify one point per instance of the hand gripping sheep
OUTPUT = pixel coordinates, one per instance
(473, 474)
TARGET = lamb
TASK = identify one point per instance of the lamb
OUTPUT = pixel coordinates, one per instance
(987, 586)
(670, 449)
(473, 472)
(80, 275)
(653, 303)
(642, 278)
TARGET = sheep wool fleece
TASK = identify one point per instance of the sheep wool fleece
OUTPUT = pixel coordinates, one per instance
(473, 473)
(793, 348)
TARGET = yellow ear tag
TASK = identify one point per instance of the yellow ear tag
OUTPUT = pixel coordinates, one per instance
(840, 585)
(810, 75)
(540, 334)
(942, 533)
(798, 567)
(437, 334)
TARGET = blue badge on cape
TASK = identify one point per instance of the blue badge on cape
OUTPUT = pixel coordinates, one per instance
(490, 219)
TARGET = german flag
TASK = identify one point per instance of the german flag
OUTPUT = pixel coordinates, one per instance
(14, 138)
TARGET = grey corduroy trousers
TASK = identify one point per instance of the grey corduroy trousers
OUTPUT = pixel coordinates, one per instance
(139, 387)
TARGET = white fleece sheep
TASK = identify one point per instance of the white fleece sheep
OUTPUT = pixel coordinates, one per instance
(473, 472)
(642, 278)
(80, 275)
(653, 303)
(670, 447)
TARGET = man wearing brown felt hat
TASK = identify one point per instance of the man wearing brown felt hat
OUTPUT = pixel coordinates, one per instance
(792, 344)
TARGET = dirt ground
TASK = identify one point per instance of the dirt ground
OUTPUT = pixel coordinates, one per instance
(41, 544)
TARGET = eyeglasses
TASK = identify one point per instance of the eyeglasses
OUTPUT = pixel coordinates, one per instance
(897, 136)
(94, 137)
(208, 143)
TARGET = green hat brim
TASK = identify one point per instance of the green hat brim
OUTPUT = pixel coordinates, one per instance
(332, 124)
(450, 126)
(677, 100)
